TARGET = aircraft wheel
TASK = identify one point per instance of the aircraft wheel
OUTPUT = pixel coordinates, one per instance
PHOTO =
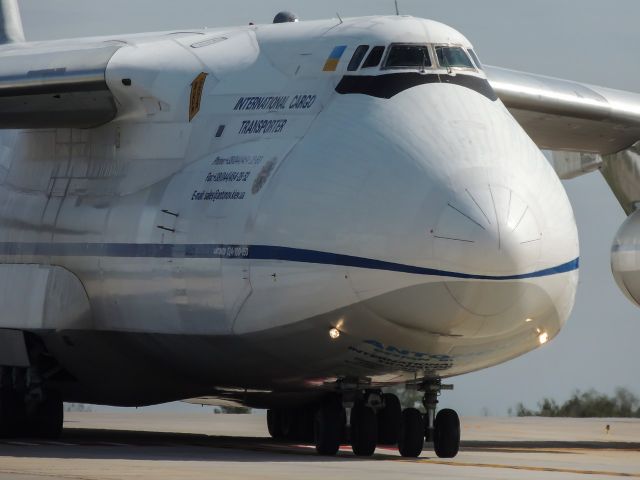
(389, 419)
(411, 439)
(329, 428)
(304, 424)
(364, 430)
(446, 433)
(286, 423)
(48, 417)
(273, 424)
(12, 414)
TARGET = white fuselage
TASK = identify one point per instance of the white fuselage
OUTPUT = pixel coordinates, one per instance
(220, 250)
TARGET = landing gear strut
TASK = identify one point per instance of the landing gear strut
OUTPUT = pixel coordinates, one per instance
(442, 429)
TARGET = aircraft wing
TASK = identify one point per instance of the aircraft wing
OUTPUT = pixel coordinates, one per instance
(565, 115)
(60, 86)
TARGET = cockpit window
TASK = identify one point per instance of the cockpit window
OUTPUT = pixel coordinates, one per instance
(373, 60)
(408, 56)
(358, 55)
(453, 57)
(476, 60)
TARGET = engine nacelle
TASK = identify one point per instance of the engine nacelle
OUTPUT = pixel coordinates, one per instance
(625, 257)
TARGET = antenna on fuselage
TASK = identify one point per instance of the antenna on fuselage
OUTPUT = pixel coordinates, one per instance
(397, 9)
(10, 22)
(339, 17)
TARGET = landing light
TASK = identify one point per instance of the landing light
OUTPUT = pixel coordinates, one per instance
(334, 333)
(528, 320)
(543, 338)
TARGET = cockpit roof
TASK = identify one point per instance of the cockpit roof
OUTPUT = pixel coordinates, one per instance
(376, 30)
(399, 29)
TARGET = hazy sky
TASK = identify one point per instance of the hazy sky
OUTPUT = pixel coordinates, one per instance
(593, 41)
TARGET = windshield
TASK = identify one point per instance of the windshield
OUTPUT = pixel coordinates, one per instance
(408, 56)
(453, 57)
(373, 60)
(358, 55)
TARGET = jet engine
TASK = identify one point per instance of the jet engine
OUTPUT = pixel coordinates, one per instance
(625, 257)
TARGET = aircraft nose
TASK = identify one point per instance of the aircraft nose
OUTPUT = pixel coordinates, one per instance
(493, 250)
(487, 230)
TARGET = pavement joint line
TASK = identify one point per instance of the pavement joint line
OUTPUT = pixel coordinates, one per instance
(523, 467)
(45, 475)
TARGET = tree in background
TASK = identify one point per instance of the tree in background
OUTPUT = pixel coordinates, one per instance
(591, 403)
(77, 407)
(409, 398)
(230, 409)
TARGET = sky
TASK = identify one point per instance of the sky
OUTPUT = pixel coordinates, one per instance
(591, 41)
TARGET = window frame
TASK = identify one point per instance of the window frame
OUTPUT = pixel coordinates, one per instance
(474, 58)
(383, 63)
(473, 68)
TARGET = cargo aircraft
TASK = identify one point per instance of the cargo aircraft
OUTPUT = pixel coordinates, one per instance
(292, 216)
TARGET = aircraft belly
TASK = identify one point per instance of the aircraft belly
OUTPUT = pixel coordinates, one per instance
(134, 368)
(160, 295)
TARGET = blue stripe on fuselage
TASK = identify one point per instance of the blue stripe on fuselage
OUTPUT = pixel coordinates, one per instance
(253, 252)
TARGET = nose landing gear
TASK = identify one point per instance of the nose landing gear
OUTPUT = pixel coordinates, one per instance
(377, 419)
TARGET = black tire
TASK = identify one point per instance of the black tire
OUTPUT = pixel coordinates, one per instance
(446, 433)
(12, 414)
(48, 418)
(273, 424)
(329, 428)
(411, 439)
(364, 430)
(389, 420)
(286, 423)
(304, 424)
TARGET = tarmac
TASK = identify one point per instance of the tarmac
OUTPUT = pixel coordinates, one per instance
(142, 444)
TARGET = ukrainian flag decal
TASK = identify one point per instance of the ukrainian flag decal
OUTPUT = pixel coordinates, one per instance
(332, 62)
